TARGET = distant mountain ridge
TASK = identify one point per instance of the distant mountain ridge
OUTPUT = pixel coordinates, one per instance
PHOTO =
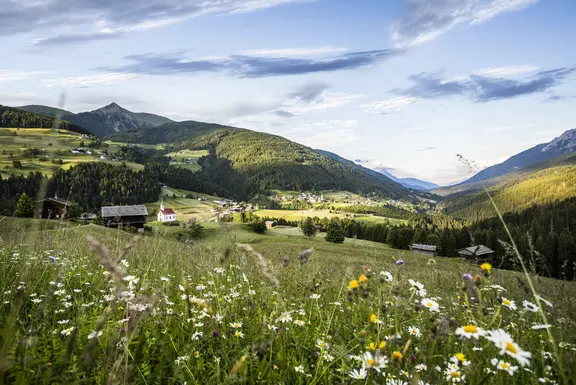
(412, 183)
(564, 144)
(103, 121)
(15, 118)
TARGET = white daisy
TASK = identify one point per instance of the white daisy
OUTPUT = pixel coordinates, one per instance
(506, 344)
(386, 276)
(414, 331)
(530, 306)
(358, 374)
(502, 365)
(470, 331)
(430, 304)
(453, 374)
(95, 334)
(541, 326)
(421, 367)
(509, 304)
(370, 361)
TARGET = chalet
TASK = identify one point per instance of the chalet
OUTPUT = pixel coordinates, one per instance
(270, 224)
(476, 253)
(166, 215)
(424, 249)
(124, 216)
(53, 208)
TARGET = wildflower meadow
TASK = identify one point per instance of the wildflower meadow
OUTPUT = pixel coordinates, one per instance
(95, 306)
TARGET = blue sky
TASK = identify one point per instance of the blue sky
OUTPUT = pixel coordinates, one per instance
(401, 84)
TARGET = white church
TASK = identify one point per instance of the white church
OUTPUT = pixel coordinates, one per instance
(166, 215)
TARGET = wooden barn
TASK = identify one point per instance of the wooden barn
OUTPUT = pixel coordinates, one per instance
(476, 253)
(53, 208)
(424, 249)
(124, 216)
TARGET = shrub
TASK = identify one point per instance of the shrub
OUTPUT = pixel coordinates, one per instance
(335, 232)
(258, 227)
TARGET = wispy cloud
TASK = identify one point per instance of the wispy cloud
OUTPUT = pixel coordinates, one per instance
(18, 99)
(87, 17)
(293, 52)
(12, 75)
(251, 66)
(90, 80)
(72, 38)
(425, 20)
(506, 71)
(390, 105)
(484, 88)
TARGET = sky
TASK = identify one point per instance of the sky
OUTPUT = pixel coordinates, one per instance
(398, 84)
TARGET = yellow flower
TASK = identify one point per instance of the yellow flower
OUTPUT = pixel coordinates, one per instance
(373, 318)
(372, 346)
(353, 284)
(363, 278)
(397, 356)
(486, 267)
(196, 354)
(461, 357)
(382, 345)
(275, 367)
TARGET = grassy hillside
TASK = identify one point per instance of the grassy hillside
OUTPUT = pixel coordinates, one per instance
(262, 161)
(53, 146)
(265, 161)
(210, 312)
(15, 118)
(516, 193)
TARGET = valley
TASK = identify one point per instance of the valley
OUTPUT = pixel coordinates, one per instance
(213, 199)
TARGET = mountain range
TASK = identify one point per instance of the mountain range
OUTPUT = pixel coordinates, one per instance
(523, 161)
(103, 121)
(412, 183)
(241, 160)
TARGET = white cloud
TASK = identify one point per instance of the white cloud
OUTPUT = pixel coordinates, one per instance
(12, 75)
(389, 105)
(17, 99)
(425, 20)
(293, 52)
(327, 100)
(505, 71)
(90, 80)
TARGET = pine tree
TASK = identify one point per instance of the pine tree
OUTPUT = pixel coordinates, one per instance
(25, 206)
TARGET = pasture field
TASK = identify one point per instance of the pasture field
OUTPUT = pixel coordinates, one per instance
(187, 158)
(243, 308)
(185, 208)
(53, 145)
(297, 215)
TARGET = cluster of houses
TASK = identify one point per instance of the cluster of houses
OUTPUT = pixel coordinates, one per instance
(306, 197)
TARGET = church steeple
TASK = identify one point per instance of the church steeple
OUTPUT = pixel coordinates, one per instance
(162, 205)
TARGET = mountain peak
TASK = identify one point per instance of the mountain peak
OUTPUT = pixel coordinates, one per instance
(112, 107)
(564, 143)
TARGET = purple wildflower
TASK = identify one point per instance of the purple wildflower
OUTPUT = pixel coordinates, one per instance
(467, 277)
(400, 262)
(53, 259)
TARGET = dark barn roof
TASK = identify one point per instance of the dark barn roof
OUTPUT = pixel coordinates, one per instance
(418, 246)
(475, 251)
(124, 211)
(61, 201)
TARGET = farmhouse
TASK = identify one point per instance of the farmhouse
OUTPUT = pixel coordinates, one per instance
(124, 216)
(476, 253)
(166, 215)
(53, 208)
(424, 249)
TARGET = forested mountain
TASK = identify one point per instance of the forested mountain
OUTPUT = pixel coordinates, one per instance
(564, 144)
(171, 133)
(516, 192)
(261, 161)
(103, 121)
(265, 161)
(15, 118)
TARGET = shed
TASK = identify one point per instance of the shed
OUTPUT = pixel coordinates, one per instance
(476, 253)
(53, 208)
(270, 224)
(424, 249)
(123, 216)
